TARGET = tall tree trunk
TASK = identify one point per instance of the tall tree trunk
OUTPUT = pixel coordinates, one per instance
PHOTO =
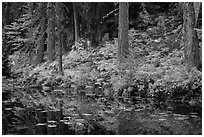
(76, 23)
(98, 22)
(190, 37)
(29, 12)
(94, 24)
(197, 6)
(50, 31)
(64, 44)
(64, 31)
(30, 8)
(41, 38)
(59, 34)
(6, 16)
(123, 45)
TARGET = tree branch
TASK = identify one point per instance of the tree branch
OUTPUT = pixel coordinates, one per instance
(110, 13)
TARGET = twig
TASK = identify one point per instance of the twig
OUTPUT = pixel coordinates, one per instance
(199, 30)
(110, 13)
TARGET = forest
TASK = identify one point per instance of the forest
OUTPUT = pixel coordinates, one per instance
(101, 68)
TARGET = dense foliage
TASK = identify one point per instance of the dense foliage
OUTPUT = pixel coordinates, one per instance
(154, 76)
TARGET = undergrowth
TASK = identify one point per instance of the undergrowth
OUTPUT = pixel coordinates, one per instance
(155, 70)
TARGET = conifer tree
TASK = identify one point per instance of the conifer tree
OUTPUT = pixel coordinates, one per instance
(123, 45)
(42, 36)
(59, 34)
(190, 37)
(76, 22)
(50, 31)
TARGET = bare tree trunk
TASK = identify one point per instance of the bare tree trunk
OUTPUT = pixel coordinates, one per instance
(30, 6)
(94, 24)
(41, 39)
(59, 33)
(51, 31)
(64, 31)
(29, 12)
(76, 23)
(6, 19)
(197, 10)
(190, 37)
(123, 45)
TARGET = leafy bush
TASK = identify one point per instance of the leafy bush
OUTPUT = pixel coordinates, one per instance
(178, 85)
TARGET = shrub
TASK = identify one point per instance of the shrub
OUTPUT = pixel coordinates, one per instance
(182, 87)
